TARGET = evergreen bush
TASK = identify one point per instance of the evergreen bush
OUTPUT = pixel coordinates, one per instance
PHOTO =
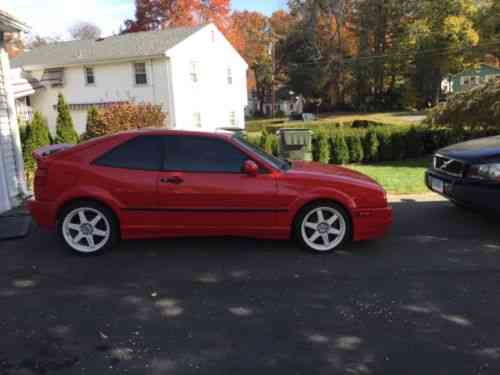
(339, 149)
(36, 135)
(65, 128)
(371, 146)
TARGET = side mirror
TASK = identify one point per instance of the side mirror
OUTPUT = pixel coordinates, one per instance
(250, 168)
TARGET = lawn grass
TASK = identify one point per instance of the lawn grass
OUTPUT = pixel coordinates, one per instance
(394, 118)
(399, 177)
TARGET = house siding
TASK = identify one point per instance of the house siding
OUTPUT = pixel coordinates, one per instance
(212, 96)
(484, 73)
(113, 83)
(10, 148)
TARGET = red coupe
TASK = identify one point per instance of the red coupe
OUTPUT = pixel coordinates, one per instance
(163, 183)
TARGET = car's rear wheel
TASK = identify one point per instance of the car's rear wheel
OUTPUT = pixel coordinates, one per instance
(88, 228)
(323, 227)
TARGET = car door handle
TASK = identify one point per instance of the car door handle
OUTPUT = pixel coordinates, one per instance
(171, 180)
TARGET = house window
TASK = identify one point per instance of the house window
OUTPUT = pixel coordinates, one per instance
(89, 76)
(213, 36)
(141, 77)
(229, 76)
(194, 71)
(232, 119)
(197, 120)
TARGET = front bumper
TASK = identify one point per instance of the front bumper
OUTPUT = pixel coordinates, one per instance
(44, 213)
(470, 193)
(370, 224)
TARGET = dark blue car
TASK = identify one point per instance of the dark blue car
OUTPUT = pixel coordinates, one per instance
(468, 173)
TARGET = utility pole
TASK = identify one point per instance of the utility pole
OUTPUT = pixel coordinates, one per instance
(273, 94)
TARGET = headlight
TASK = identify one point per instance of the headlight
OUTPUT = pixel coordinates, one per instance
(485, 172)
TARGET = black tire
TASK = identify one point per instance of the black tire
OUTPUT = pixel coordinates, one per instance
(110, 222)
(343, 218)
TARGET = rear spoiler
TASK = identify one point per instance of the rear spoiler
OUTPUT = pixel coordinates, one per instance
(43, 152)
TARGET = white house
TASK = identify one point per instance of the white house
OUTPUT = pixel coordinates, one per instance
(195, 74)
(12, 184)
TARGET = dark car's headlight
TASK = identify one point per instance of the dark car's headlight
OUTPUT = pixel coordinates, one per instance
(489, 172)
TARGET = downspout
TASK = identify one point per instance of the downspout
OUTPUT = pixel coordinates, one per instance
(170, 89)
(153, 84)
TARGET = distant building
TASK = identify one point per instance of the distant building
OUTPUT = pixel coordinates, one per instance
(470, 78)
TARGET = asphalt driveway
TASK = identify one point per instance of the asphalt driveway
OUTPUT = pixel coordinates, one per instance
(424, 300)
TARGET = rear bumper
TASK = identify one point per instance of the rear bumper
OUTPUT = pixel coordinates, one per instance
(44, 213)
(474, 194)
(370, 224)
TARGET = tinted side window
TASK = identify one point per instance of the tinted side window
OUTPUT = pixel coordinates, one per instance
(141, 153)
(200, 154)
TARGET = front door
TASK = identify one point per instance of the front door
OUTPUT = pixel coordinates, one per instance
(203, 188)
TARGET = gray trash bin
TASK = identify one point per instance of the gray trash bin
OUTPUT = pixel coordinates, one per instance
(295, 144)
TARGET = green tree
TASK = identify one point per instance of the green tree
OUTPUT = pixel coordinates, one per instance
(65, 129)
(323, 147)
(447, 26)
(340, 150)
(372, 145)
(356, 153)
(36, 135)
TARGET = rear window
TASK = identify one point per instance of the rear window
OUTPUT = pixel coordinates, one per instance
(141, 153)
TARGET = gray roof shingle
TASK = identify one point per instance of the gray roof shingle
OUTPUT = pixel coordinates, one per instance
(141, 44)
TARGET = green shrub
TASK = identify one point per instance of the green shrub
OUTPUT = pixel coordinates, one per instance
(371, 146)
(263, 140)
(414, 143)
(385, 147)
(356, 152)
(478, 107)
(269, 143)
(36, 135)
(65, 128)
(398, 146)
(339, 149)
(323, 148)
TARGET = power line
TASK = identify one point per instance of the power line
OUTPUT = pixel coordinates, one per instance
(428, 52)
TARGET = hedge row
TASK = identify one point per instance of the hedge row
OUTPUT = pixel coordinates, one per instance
(344, 145)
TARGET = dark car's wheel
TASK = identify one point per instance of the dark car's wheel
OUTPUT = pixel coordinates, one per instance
(322, 227)
(88, 228)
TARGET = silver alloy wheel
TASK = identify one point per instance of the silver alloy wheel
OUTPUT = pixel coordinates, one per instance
(86, 230)
(323, 228)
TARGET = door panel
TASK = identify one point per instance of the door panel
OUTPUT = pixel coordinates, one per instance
(217, 202)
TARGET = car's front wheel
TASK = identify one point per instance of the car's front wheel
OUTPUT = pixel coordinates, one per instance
(323, 227)
(88, 228)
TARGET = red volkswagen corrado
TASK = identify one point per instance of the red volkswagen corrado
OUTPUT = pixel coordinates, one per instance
(163, 183)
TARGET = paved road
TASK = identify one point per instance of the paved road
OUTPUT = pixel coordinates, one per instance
(424, 300)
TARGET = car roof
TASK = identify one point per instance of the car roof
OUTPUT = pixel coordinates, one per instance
(155, 131)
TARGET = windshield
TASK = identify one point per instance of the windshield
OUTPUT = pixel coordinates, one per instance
(278, 163)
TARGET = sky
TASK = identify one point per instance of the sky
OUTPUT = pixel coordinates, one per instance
(54, 17)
